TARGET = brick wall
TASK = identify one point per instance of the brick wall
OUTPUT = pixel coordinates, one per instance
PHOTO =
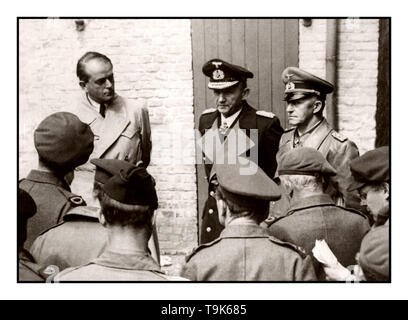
(357, 72)
(153, 65)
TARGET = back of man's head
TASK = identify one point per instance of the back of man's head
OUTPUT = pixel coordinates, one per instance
(63, 142)
(126, 193)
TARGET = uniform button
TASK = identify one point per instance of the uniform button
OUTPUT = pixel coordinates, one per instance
(208, 229)
(211, 211)
(212, 193)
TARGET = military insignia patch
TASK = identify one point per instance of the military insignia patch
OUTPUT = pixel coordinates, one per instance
(290, 86)
(265, 114)
(218, 74)
(338, 136)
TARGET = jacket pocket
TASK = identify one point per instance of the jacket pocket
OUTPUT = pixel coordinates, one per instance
(129, 132)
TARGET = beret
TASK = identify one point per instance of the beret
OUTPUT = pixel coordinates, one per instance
(304, 161)
(26, 205)
(63, 141)
(127, 184)
(106, 168)
(223, 74)
(371, 167)
(256, 185)
(374, 254)
(299, 83)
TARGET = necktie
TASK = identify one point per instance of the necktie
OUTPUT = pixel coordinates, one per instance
(102, 109)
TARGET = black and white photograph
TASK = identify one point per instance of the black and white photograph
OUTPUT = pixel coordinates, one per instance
(204, 149)
(204, 152)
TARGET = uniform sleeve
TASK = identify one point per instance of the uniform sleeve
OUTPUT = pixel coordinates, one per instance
(304, 270)
(146, 140)
(341, 161)
(189, 271)
(269, 146)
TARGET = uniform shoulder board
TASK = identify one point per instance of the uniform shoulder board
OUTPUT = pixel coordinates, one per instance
(289, 245)
(264, 113)
(201, 246)
(83, 211)
(210, 110)
(338, 136)
(77, 200)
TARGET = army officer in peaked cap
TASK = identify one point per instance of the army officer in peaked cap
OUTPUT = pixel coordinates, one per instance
(305, 95)
(244, 250)
(232, 112)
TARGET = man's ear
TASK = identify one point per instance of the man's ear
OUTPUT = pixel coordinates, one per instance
(102, 220)
(387, 190)
(317, 106)
(82, 84)
(245, 93)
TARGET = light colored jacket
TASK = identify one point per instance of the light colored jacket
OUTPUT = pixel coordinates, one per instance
(114, 266)
(248, 253)
(123, 134)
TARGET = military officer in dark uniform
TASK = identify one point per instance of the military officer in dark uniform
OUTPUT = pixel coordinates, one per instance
(232, 112)
(305, 95)
(312, 214)
(245, 251)
(63, 142)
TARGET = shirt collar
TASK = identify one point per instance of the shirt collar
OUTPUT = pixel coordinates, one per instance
(310, 130)
(47, 177)
(315, 200)
(95, 105)
(134, 261)
(244, 231)
(230, 120)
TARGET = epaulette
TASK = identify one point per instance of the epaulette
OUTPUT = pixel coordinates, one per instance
(264, 113)
(289, 245)
(338, 136)
(210, 110)
(201, 246)
(77, 200)
(83, 211)
(73, 198)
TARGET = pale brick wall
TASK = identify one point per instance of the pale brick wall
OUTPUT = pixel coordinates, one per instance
(357, 73)
(152, 62)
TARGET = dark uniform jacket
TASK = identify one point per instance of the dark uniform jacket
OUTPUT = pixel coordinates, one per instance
(317, 217)
(114, 266)
(53, 199)
(269, 133)
(248, 253)
(338, 151)
(74, 242)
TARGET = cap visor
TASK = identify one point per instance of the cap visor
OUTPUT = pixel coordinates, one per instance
(222, 85)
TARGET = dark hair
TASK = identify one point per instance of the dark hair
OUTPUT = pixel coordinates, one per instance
(241, 206)
(80, 70)
(123, 214)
